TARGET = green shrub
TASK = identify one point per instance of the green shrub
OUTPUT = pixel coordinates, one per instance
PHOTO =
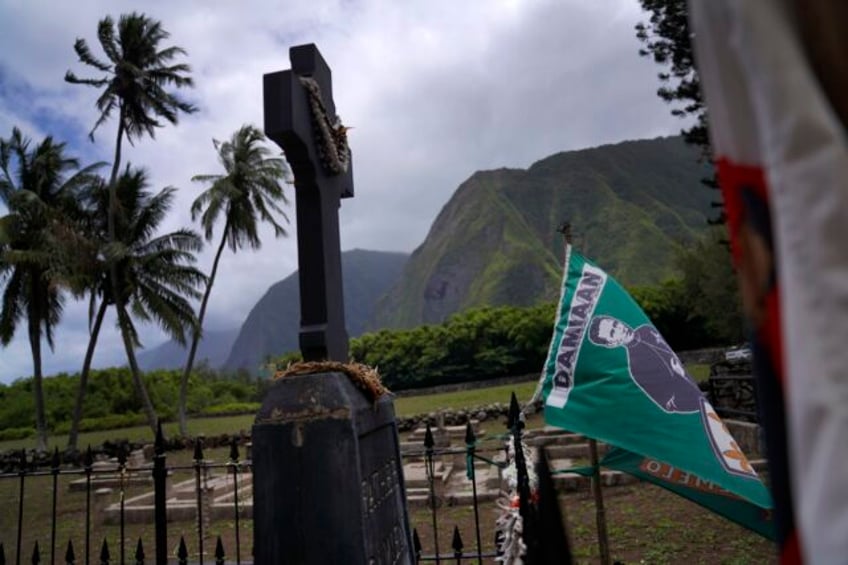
(112, 421)
(231, 408)
(16, 433)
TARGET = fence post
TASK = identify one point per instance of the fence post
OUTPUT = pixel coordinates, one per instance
(430, 467)
(529, 533)
(22, 473)
(160, 512)
(234, 463)
(122, 472)
(88, 463)
(199, 488)
(471, 473)
(54, 470)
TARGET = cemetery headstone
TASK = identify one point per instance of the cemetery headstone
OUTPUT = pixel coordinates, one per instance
(328, 477)
(328, 480)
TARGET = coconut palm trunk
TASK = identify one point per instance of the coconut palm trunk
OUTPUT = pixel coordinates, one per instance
(117, 291)
(37, 377)
(73, 435)
(198, 332)
(138, 383)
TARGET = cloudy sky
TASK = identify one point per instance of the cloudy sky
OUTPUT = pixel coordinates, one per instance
(434, 89)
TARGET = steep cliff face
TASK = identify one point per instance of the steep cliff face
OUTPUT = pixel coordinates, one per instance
(631, 205)
(272, 327)
(213, 349)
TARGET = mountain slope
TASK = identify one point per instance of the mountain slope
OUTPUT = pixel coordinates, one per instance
(213, 347)
(273, 324)
(631, 205)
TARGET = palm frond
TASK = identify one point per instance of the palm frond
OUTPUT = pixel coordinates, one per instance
(85, 55)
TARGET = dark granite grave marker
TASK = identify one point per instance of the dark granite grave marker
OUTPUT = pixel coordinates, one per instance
(328, 478)
(327, 473)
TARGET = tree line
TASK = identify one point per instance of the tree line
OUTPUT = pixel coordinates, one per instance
(698, 308)
(111, 401)
(69, 231)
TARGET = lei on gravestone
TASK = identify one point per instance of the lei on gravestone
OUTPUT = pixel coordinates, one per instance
(365, 378)
(333, 150)
(511, 547)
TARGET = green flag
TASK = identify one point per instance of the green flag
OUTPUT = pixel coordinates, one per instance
(611, 376)
(687, 485)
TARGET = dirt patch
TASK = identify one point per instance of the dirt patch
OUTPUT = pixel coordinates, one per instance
(646, 524)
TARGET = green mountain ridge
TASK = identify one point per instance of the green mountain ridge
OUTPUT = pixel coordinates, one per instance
(631, 206)
(273, 324)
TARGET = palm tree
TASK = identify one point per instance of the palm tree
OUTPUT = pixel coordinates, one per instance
(39, 195)
(155, 273)
(249, 192)
(137, 73)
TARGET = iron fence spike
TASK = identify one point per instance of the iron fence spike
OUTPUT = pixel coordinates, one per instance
(182, 551)
(428, 437)
(456, 544)
(514, 412)
(122, 455)
(470, 438)
(88, 458)
(54, 463)
(416, 542)
(36, 554)
(70, 558)
(219, 552)
(159, 442)
(104, 553)
(139, 553)
(198, 450)
(234, 451)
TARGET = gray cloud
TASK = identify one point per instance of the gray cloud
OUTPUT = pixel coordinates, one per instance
(434, 91)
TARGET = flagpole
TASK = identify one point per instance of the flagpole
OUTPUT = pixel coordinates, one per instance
(600, 513)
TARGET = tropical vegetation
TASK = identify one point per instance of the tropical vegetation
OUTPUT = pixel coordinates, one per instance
(155, 272)
(39, 186)
(67, 231)
(250, 192)
(134, 81)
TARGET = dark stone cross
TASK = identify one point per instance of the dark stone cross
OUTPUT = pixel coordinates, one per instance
(327, 472)
(316, 148)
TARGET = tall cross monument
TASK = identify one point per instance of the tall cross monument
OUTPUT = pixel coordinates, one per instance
(300, 116)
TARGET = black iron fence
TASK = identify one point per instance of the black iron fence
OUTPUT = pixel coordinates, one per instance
(732, 390)
(58, 548)
(123, 475)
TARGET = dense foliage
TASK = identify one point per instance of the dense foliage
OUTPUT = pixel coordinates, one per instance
(477, 344)
(698, 309)
(112, 402)
(666, 39)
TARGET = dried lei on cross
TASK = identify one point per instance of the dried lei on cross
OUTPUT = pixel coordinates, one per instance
(333, 149)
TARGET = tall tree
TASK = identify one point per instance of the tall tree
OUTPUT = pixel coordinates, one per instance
(39, 190)
(136, 74)
(249, 191)
(156, 273)
(666, 39)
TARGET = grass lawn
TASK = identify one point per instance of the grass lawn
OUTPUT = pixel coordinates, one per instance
(646, 524)
(406, 406)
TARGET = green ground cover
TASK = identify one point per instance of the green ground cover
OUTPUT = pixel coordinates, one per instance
(404, 406)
